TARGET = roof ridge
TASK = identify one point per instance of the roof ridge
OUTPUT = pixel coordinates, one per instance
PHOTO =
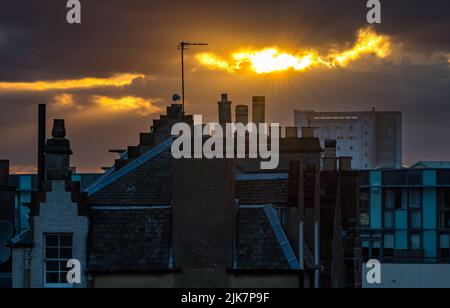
(117, 174)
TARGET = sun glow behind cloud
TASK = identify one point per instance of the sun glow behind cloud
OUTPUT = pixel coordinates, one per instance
(118, 80)
(139, 105)
(270, 60)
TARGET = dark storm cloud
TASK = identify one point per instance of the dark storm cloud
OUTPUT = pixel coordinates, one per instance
(140, 36)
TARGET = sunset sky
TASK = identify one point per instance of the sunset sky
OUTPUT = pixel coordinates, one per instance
(111, 75)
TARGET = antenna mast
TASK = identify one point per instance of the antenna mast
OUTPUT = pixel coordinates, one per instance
(183, 46)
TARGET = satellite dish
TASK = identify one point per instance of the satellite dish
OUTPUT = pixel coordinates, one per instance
(5, 252)
(176, 97)
(6, 230)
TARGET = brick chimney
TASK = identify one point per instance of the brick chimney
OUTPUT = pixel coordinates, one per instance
(329, 157)
(259, 109)
(242, 114)
(345, 163)
(57, 153)
(224, 110)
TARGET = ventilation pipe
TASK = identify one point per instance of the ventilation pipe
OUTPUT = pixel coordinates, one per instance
(41, 144)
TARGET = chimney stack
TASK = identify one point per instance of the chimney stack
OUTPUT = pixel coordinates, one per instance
(345, 163)
(57, 153)
(224, 110)
(308, 132)
(41, 144)
(329, 157)
(291, 132)
(259, 109)
(242, 114)
(4, 173)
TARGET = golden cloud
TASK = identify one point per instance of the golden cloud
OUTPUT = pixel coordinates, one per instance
(270, 60)
(118, 80)
(139, 105)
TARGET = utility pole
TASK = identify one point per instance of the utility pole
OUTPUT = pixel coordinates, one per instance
(183, 46)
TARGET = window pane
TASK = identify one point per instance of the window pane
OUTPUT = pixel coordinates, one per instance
(65, 253)
(365, 219)
(389, 220)
(415, 178)
(66, 240)
(445, 241)
(415, 242)
(405, 198)
(52, 277)
(443, 177)
(415, 220)
(63, 265)
(51, 253)
(416, 198)
(445, 220)
(389, 199)
(51, 240)
(63, 277)
(389, 241)
(52, 266)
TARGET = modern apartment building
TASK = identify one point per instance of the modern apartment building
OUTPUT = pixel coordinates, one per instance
(405, 224)
(373, 139)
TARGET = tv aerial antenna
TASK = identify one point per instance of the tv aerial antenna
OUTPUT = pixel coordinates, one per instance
(182, 46)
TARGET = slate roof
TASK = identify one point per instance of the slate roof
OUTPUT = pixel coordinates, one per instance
(150, 184)
(258, 247)
(139, 240)
(257, 192)
(130, 240)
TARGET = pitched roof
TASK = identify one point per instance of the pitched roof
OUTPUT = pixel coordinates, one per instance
(149, 184)
(138, 239)
(431, 165)
(130, 240)
(254, 191)
(113, 175)
(258, 247)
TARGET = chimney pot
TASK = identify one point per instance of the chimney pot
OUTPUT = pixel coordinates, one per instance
(329, 163)
(59, 129)
(330, 148)
(57, 153)
(242, 114)
(259, 109)
(345, 163)
(308, 132)
(224, 110)
(291, 132)
(224, 98)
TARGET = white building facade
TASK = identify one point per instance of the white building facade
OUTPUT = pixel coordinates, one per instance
(373, 139)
